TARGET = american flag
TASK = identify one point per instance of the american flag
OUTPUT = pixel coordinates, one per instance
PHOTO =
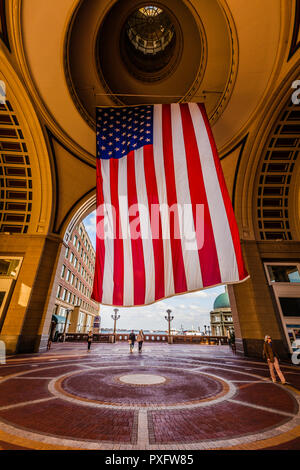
(165, 223)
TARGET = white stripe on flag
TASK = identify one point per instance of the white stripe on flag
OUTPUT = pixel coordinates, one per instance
(128, 298)
(223, 239)
(187, 227)
(162, 196)
(145, 225)
(108, 274)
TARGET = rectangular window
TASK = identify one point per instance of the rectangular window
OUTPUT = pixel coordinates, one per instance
(72, 279)
(69, 297)
(68, 275)
(75, 240)
(67, 252)
(63, 269)
(283, 273)
(71, 257)
(58, 292)
(290, 306)
(10, 267)
(64, 294)
(75, 262)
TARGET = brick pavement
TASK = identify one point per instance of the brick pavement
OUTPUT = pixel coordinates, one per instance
(69, 398)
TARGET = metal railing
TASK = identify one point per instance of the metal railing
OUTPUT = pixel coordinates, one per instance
(151, 337)
(200, 339)
(97, 338)
(154, 338)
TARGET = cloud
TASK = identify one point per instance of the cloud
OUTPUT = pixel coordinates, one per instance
(90, 226)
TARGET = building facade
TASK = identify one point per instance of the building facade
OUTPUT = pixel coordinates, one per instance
(74, 310)
(221, 321)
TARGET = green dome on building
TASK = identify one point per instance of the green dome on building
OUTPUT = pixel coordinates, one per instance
(222, 301)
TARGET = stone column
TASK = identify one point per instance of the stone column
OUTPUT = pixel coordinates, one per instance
(253, 310)
(74, 320)
(26, 313)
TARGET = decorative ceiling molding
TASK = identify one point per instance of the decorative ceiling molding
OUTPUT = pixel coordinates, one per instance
(277, 167)
(3, 25)
(14, 11)
(295, 42)
(61, 216)
(241, 146)
(15, 174)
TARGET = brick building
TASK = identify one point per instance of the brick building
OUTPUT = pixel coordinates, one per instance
(73, 285)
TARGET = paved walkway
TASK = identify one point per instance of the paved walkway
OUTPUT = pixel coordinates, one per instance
(183, 397)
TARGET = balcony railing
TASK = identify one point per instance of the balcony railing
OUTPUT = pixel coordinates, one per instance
(152, 338)
(199, 339)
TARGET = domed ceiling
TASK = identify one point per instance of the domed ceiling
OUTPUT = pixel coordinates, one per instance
(77, 54)
(148, 53)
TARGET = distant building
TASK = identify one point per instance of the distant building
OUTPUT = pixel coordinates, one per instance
(220, 316)
(73, 286)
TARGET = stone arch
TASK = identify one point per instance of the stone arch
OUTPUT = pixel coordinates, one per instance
(277, 111)
(82, 210)
(274, 204)
(26, 173)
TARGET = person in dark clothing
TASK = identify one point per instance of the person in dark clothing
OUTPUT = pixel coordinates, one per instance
(131, 340)
(272, 360)
(52, 329)
(89, 339)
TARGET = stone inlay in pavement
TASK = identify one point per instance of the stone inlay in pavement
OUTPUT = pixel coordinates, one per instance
(142, 379)
(175, 397)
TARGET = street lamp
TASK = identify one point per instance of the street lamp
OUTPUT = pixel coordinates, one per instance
(115, 317)
(169, 318)
(205, 330)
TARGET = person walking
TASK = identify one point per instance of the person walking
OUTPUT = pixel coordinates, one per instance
(140, 339)
(231, 341)
(49, 342)
(90, 339)
(131, 340)
(272, 360)
(52, 328)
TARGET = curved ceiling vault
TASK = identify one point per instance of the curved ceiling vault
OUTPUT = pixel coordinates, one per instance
(225, 55)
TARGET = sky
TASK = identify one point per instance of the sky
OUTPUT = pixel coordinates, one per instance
(189, 310)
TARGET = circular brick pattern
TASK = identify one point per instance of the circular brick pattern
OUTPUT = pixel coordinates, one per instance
(102, 386)
(180, 401)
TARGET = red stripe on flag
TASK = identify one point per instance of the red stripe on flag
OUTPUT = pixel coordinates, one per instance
(226, 198)
(158, 249)
(180, 283)
(100, 246)
(118, 241)
(139, 277)
(208, 256)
